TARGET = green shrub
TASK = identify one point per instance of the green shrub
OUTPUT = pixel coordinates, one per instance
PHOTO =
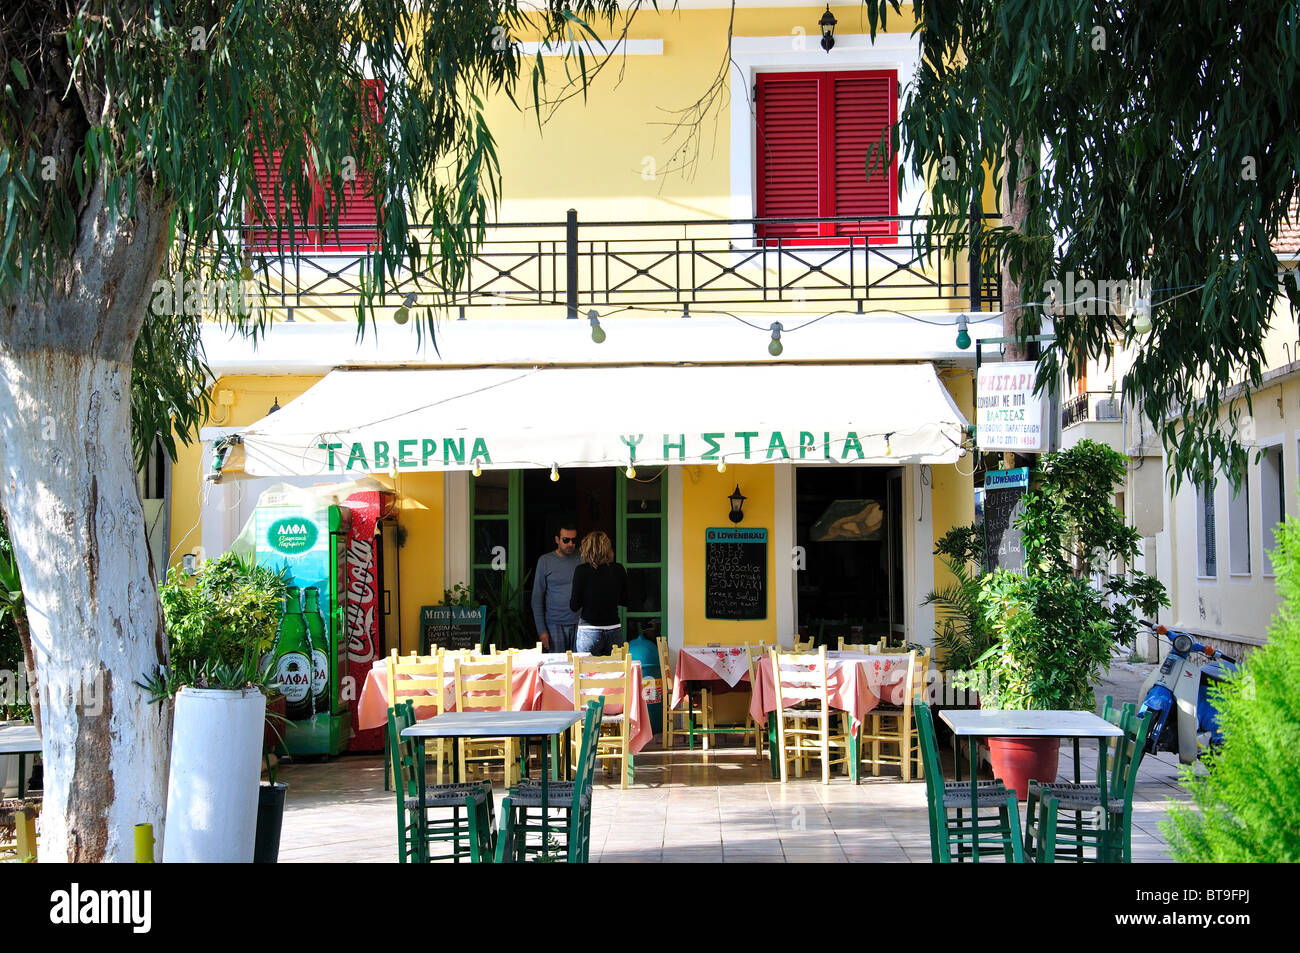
(221, 623)
(1246, 808)
(1054, 635)
(959, 626)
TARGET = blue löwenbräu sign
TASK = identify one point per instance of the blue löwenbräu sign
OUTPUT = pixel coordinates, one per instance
(1004, 494)
(735, 573)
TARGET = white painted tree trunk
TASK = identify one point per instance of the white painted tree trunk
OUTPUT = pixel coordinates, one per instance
(70, 495)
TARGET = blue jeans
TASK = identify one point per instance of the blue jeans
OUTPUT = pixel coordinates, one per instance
(561, 636)
(597, 641)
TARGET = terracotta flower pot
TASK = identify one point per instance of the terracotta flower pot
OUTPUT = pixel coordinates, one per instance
(1017, 761)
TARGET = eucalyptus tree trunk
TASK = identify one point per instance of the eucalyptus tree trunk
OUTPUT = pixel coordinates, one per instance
(1014, 211)
(72, 502)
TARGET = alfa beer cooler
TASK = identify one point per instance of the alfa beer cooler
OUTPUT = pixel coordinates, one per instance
(311, 540)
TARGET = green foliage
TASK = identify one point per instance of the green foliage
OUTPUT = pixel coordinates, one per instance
(458, 595)
(960, 630)
(220, 625)
(1245, 809)
(1147, 176)
(13, 613)
(1054, 636)
(1053, 629)
(509, 614)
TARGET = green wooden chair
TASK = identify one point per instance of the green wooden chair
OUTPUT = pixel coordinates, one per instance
(954, 833)
(1071, 821)
(567, 808)
(458, 815)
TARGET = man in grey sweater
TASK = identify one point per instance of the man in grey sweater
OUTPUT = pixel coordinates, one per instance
(552, 582)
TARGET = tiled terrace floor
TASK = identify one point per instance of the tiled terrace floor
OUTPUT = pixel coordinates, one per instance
(691, 806)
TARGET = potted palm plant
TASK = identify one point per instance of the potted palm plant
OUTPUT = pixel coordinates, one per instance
(1055, 625)
(221, 626)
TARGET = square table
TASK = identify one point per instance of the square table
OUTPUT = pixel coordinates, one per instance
(21, 740)
(1037, 723)
(501, 724)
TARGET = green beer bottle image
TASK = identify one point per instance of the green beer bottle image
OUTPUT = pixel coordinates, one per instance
(320, 651)
(293, 660)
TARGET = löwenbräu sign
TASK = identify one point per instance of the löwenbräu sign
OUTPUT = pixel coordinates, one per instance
(1004, 495)
(735, 573)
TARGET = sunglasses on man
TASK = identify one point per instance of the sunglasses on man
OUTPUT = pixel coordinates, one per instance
(568, 539)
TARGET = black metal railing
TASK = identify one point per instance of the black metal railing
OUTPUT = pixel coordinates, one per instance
(1101, 405)
(812, 262)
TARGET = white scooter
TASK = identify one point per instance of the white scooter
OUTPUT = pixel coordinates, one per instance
(1184, 685)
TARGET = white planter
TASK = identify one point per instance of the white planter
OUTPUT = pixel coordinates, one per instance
(9, 769)
(215, 773)
(8, 775)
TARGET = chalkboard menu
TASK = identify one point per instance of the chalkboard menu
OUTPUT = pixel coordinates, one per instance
(735, 574)
(1004, 501)
(451, 627)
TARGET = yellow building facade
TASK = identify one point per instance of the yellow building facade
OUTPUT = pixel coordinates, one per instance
(685, 271)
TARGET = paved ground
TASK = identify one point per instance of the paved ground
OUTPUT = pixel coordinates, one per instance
(697, 806)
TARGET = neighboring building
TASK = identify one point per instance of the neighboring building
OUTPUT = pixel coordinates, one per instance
(1209, 546)
(687, 284)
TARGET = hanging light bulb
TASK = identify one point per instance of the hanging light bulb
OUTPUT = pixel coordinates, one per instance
(775, 348)
(403, 312)
(1141, 315)
(478, 470)
(889, 451)
(963, 336)
(630, 472)
(597, 332)
(722, 466)
(555, 473)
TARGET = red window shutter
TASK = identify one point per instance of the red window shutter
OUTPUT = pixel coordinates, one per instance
(863, 105)
(358, 224)
(814, 133)
(788, 146)
(262, 236)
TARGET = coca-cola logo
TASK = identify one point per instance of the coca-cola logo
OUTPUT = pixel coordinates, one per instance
(362, 595)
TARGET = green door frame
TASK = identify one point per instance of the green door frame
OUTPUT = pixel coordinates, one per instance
(620, 503)
(513, 516)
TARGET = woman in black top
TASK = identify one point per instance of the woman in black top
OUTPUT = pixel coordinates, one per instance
(599, 588)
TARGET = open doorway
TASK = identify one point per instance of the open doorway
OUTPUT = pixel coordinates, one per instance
(849, 522)
(585, 494)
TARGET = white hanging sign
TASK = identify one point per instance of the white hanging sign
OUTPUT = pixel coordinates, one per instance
(1008, 414)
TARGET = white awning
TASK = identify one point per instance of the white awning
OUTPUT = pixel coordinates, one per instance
(374, 421)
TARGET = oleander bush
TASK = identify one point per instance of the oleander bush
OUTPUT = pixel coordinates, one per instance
(1245, 808)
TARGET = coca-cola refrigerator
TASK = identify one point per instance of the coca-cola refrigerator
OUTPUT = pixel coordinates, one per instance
(309, 534)
(371, 615)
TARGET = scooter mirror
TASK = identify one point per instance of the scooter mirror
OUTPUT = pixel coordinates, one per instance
(1183, 644)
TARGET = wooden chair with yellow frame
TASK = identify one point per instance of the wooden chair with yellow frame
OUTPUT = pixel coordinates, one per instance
(871, 648)
(595, 677)
(422, 680)
(889, 736)
(703, 713)
(484, 684)
(805, 729)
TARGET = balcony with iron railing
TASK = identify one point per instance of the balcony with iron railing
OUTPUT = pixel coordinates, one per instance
(555, 269)
(1093, 415)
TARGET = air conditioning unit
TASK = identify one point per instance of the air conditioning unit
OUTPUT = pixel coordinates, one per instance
(1107, 409)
